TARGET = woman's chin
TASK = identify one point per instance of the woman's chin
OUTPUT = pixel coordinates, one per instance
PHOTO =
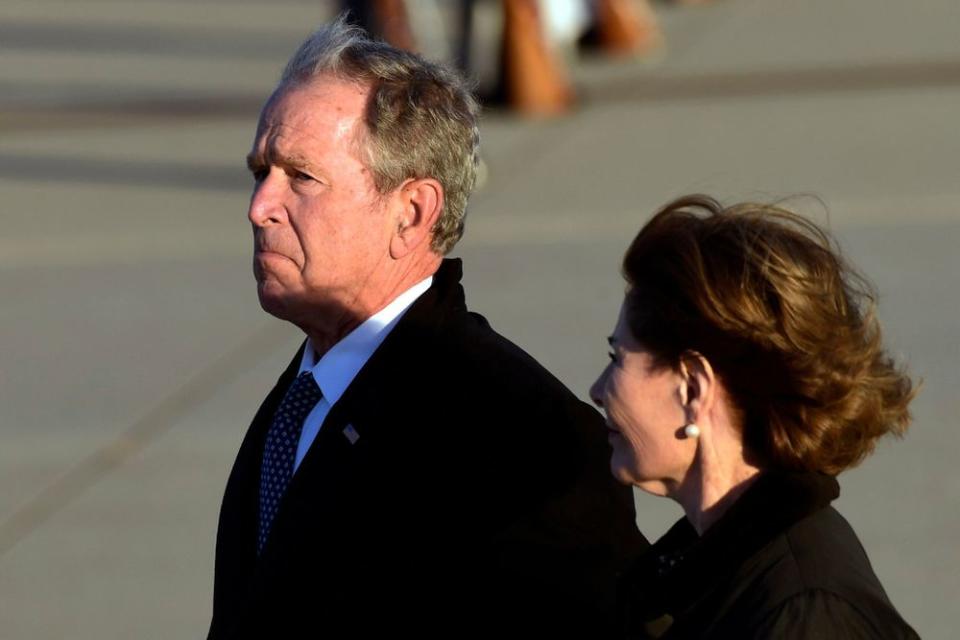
(653, 487)
(620, 474)
(627, 474)
(622, 471)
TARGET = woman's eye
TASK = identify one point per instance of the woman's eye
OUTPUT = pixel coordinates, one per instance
(612, 356)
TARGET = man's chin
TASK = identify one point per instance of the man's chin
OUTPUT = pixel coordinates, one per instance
(273, 301)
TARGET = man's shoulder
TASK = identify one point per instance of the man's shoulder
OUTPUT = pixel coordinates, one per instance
(493, 362)
(451, 338)
(462, 369)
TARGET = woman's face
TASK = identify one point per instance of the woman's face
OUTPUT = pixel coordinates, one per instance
(645, 416)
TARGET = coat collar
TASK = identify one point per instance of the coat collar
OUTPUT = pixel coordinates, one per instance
(682, 568)
(386, 376)
(420, 321)
(416, 329)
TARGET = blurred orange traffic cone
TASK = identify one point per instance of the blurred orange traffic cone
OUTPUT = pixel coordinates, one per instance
(627, 26)
(535, 81)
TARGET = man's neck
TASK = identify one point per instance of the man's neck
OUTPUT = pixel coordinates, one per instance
(330, 327)
(323, 341)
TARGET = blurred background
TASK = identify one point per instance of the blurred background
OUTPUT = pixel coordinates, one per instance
(133, 352)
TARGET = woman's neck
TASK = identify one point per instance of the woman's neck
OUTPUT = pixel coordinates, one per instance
(719, 476)
(713, 501)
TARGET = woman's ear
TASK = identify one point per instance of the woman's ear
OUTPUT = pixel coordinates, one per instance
(697, 385)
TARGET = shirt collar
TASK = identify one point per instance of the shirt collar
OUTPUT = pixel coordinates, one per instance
(339, 366)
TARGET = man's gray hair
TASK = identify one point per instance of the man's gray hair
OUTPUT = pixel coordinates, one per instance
(421, 119)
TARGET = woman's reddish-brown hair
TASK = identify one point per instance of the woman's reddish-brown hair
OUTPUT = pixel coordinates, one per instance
(788, 326)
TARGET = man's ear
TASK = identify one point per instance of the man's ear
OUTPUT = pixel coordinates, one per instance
(420, 202)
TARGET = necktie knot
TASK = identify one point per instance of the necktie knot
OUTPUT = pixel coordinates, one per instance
(304, 389)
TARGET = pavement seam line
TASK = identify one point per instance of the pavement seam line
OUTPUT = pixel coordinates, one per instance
(66, 488)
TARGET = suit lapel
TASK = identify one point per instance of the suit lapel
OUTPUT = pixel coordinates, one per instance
(357, 421)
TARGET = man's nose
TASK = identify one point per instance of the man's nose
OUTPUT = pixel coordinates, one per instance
(266, 203)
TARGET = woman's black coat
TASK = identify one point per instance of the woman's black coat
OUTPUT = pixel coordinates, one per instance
(780, 563)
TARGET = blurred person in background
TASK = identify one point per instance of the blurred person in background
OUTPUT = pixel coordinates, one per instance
(526, 70)
(412, 470)
(746, 372)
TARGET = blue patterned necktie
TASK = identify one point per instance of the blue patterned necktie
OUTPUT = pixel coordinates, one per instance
(280, 450)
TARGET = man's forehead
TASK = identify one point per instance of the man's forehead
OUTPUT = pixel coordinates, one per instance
(320, 110)
(320, 97)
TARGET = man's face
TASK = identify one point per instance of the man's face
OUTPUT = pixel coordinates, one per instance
(320, 228)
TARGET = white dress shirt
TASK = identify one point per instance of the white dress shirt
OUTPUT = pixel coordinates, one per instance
(339, 366)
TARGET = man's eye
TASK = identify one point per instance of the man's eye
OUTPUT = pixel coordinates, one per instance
(259, 175)
(612, 356)
(300, 176)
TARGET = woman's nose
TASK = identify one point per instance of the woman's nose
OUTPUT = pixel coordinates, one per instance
(596, 389)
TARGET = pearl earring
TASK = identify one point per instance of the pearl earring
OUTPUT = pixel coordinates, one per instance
(691, 431)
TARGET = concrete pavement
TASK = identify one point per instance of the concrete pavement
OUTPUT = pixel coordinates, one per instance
(133, 352)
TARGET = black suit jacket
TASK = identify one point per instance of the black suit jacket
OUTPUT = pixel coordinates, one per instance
(780, 563)
(476, 500)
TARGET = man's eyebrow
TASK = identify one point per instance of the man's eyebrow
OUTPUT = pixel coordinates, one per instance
(294, 160)
(255, 160)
